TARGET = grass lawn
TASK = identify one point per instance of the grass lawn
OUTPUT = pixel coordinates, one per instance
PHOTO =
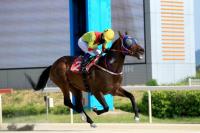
(111, 117)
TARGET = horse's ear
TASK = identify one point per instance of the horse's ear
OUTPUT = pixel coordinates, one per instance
(120, 34)
(126, 32)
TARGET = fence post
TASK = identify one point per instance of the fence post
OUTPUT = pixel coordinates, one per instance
(1, 111)
(150, 109)
(47, 106)
(190, 81)
(71, 111)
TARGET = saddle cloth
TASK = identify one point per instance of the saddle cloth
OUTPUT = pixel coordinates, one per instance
(76, 65)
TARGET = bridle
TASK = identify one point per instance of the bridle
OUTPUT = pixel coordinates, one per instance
(123, 49)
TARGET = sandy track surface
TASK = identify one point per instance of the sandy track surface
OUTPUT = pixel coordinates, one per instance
(109, 128)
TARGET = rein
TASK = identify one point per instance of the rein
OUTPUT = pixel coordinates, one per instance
(110, 72)
(123, 50)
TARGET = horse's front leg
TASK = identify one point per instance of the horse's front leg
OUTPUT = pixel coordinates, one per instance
(122, 92)
(79, 106)
(100, 97)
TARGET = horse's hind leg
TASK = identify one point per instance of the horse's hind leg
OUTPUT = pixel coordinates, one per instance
(79, 105)
(64, 86)
(62, 82)
(67, 100)
(58, 76)
(100, 97)
(122, 92)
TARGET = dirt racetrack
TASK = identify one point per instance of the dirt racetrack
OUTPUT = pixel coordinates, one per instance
(109, 128)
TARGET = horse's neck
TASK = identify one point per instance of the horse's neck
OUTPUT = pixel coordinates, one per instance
(114, 60)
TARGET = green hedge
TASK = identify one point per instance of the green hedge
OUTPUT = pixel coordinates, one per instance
(31, 109)
(59, 110)
(152, 82)
(124, 106)
(173, 103)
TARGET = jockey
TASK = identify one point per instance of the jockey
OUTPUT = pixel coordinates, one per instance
(90, 41)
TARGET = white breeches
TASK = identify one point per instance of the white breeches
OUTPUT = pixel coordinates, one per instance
(84, 47)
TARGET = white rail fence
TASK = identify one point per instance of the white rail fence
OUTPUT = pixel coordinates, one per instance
(149, 89)
(193, 81)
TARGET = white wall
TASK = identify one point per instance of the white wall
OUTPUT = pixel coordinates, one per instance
(172, 71)
(197, 23)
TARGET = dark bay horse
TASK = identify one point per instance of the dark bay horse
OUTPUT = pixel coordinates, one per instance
(103, 78)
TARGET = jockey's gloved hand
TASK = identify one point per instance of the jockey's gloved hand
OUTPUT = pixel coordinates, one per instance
(98, 52)
(106, 51)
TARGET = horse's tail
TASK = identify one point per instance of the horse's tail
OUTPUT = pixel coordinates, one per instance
(42, 80)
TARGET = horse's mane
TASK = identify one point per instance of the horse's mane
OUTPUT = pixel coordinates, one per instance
(115, 42)
(102, 58)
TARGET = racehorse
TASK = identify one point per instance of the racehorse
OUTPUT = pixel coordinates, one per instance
(105, 77)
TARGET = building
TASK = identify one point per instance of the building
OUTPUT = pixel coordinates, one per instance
(172, 43)
(34, 34)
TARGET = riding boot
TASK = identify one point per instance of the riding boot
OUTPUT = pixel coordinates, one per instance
(84, 71)
(84, 63)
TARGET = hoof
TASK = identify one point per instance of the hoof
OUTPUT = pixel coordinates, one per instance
(83, 117)
(137, 119)
(94, 109)
(93, 125)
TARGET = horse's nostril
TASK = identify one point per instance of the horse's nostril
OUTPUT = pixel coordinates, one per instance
(140, 57)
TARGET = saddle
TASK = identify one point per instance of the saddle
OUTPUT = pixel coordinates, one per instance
(76, 65)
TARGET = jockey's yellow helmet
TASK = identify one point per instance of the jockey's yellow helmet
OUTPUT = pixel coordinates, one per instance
(108, 35)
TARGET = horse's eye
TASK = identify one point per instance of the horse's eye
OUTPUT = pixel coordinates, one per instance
(129, 42)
